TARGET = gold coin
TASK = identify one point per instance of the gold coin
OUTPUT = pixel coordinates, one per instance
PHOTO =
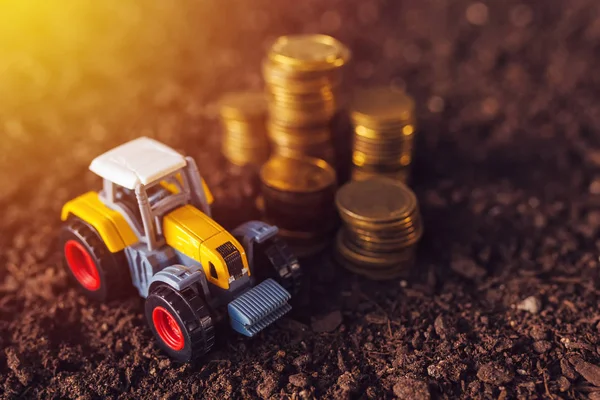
(297, 174)
(324, 152)
(309, 101)
(360, 159)
(387, 253)
(283, 134)
(242, 105)
(402, 174)
(283, 76)
(376, 275)
(274, 85)
(380, 105)
(391, 237)
(400, 132)
(377, 247)
(309, 52)
(406, 221)
(386, 231)
(376, 199)
(391, 144)
(365, 259)
(322, 87)
(299, 142)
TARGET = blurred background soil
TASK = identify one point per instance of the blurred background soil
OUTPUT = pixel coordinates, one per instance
(507, 172)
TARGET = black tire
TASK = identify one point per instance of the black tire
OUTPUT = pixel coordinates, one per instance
(274, 259)
(189, 332)
(99, 274)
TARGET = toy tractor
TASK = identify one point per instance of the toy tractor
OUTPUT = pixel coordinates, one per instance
(151, 225)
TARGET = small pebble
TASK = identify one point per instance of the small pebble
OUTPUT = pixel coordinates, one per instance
(347, 382)
(521, 15)
(299, 380)
(443, 328)
(376, 318)
(542, 346)
(435, 104)
(467, 268)
(302, 360)
(563, 384)
(531, 304)
(477, 14)
(538, 332)
(595, 186)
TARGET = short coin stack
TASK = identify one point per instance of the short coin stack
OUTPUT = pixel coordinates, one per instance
(303, 76)
(382, 226)
(384, 131)
(244, 116)
(298, 196)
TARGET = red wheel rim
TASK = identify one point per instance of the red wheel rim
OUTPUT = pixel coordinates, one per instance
(167, 328)
(82, 265)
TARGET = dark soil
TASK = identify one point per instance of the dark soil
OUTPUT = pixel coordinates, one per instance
(505, 304)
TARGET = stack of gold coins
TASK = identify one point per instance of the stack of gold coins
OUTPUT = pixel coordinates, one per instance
(382, 226)
(244, 115)
(303, 77)
(298, 195)
(384, 132)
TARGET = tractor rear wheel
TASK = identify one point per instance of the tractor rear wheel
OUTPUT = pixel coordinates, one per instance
(99, 273)
(181, 322)
(274, 259)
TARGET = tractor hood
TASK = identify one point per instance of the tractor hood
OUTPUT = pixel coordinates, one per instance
(196, 235)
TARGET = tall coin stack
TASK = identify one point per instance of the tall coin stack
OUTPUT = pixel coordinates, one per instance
(384, 132)
(382, 226)
(244, 115)
(298, 195)
(303, 77)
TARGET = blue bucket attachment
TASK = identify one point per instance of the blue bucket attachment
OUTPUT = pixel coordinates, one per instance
(259, 307)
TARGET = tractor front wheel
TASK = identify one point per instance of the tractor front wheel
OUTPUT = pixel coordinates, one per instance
(181, 322)
(99, 273)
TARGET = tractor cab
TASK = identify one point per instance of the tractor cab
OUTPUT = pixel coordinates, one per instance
(144, 180)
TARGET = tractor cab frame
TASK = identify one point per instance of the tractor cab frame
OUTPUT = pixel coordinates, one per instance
(127, 187)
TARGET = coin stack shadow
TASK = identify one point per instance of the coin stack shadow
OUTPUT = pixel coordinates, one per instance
(303, 74)
(243, 116)
(381, 228)
(298, 195)
(384, 131)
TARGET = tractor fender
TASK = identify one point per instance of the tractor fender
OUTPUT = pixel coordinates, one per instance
(253, 232)
(180, 277)
(110, 224)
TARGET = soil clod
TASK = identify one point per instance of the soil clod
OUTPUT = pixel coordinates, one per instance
(589, 371)
(494, 374)
(411, 389)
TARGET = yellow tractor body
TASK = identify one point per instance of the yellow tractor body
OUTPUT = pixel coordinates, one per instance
(110, 224)
(151, 225)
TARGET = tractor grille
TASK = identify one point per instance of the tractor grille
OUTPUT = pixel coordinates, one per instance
(233, 259)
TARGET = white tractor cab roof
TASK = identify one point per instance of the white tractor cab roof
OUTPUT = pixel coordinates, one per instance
(140, 161)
